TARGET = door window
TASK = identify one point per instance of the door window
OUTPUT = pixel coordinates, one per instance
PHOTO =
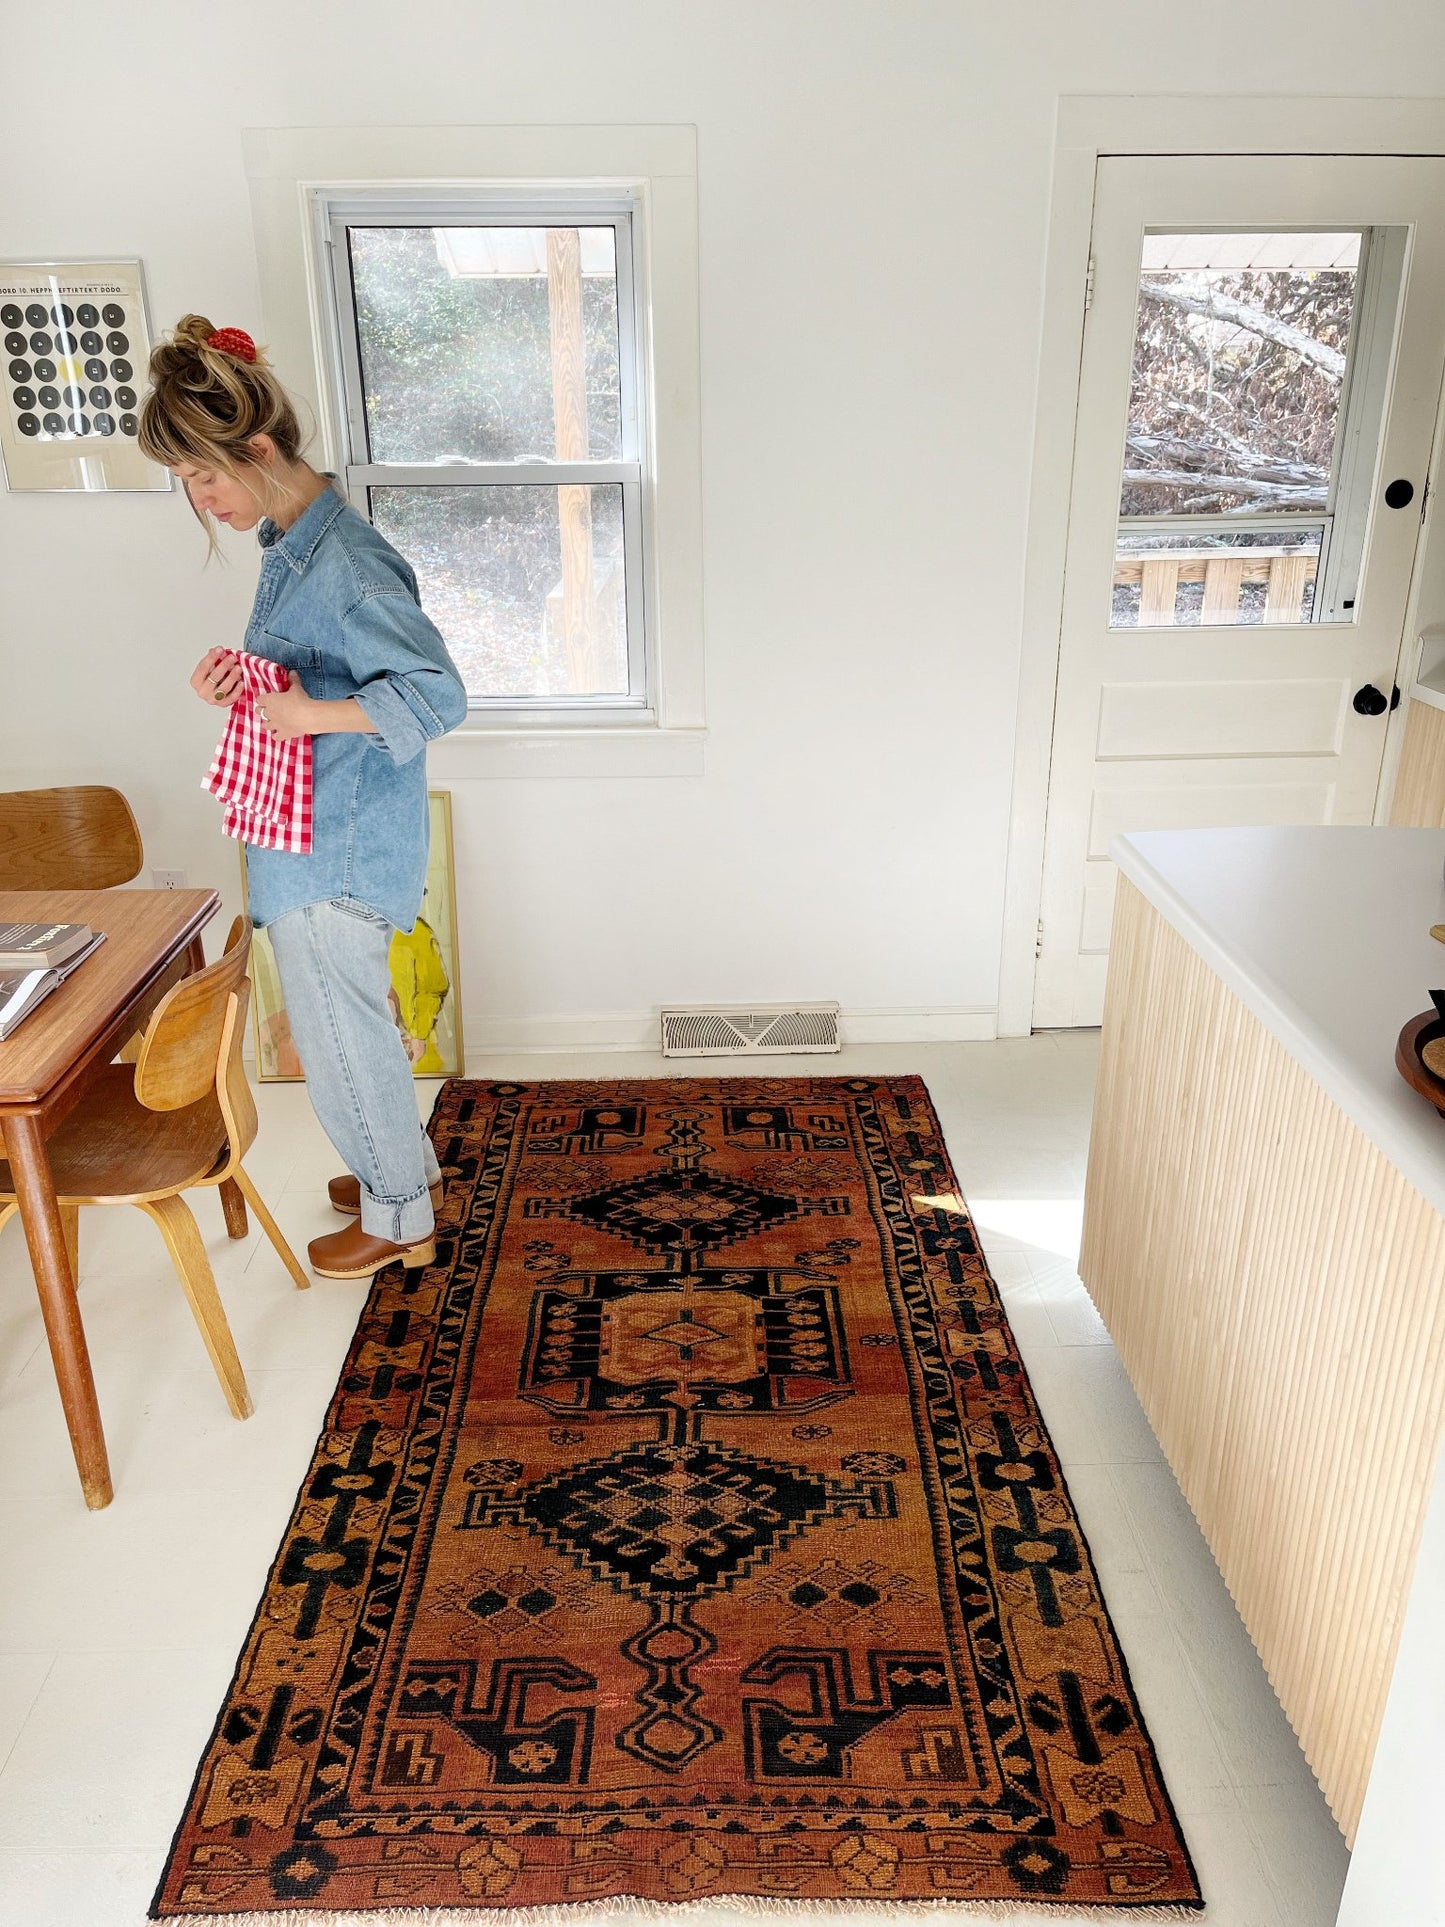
(1258, 374)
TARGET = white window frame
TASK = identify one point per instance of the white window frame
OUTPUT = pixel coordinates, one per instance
(287, 168)
(335, 214)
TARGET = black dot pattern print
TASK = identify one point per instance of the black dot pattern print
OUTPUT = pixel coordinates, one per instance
(70, 367)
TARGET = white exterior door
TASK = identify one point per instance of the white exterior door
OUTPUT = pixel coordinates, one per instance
(1258, 388)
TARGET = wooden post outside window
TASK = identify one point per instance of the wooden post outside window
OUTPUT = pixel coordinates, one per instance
(569, 407)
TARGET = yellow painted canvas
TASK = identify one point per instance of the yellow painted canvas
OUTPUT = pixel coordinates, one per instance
(425, 995)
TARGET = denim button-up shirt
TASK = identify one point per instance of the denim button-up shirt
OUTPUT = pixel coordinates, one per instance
(337, 604)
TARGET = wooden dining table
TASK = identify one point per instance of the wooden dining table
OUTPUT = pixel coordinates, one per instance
(152, 941)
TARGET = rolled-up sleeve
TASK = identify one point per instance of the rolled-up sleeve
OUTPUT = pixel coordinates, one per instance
(407, 682)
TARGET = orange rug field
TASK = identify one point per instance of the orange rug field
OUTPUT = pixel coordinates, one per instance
(688, 1530)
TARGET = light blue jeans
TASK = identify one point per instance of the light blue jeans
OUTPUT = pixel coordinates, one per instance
(332, 957)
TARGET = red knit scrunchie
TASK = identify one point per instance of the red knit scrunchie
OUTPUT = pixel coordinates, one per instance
(233, 341)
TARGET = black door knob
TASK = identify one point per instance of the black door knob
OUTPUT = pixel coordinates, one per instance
(1399, 495)
(1370, 701)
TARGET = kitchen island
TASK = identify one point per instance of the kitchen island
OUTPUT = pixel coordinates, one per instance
(1264, 1235)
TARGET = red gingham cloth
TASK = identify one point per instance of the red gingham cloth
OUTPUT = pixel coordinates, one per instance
(265, 784)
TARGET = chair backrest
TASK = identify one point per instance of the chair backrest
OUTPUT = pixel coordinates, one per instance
(84, 838)
(192, 1044)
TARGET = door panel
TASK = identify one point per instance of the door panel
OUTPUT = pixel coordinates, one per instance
(1158, 796)
(1224, 718)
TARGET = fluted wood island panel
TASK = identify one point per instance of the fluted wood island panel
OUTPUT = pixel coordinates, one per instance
(1276, 1290)
(1419, 794)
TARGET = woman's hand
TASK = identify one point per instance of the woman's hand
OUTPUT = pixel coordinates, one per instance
(217, 678)
(288, 713)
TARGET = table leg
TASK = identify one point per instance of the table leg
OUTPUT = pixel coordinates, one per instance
(195, 955)
(70, 1225)
(45, 1235)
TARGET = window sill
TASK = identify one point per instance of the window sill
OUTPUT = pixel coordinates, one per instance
(476, 751)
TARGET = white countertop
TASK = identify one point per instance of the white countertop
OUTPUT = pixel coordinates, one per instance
(1325, 935)
(1429, 683)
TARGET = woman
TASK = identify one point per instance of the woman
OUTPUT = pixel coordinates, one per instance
(371, 683)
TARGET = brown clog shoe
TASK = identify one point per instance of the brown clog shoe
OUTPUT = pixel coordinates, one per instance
(345, 1195)
(352, 1253)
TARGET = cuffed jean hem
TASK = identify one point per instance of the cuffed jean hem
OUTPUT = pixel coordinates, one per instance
(404, 1221)
(413, 1217)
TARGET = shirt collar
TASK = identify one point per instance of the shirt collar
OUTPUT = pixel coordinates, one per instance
(298, 543)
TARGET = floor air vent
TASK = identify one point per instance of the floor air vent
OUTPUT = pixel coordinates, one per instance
(759, 1030)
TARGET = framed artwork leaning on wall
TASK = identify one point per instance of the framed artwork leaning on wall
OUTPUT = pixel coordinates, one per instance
(425, 994)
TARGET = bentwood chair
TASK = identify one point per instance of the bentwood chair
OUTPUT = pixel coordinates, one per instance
(84, 838)
(181, 1118)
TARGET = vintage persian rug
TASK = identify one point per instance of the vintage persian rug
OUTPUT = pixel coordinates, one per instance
(686, 1532)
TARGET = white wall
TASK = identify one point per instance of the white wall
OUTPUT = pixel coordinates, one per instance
(873, 185)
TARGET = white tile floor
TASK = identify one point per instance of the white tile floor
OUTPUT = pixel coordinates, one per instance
(118, 1630)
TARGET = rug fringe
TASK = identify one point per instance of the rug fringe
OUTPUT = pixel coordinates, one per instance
(624, 1907)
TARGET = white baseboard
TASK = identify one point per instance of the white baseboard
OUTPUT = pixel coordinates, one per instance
(639, 1030)
(603, 1030)
(924, 1024)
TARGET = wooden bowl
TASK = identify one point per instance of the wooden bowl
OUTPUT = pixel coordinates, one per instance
(1409, 1063)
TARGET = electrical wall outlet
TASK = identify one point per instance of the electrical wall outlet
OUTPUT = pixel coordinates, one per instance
(169, 879)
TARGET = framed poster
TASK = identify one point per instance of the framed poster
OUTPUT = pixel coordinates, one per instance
(77, 347)
(425, 994)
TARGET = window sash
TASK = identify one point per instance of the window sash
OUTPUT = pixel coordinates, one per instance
(636, 706)
(479, 474)
(362, 474)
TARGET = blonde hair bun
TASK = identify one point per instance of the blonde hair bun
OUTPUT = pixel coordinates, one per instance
(207, 405)
(196, 332)
(194, 329)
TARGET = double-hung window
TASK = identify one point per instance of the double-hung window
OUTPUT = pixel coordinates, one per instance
(490, 366)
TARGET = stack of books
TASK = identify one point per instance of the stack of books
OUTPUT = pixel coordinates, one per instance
(34, 959)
